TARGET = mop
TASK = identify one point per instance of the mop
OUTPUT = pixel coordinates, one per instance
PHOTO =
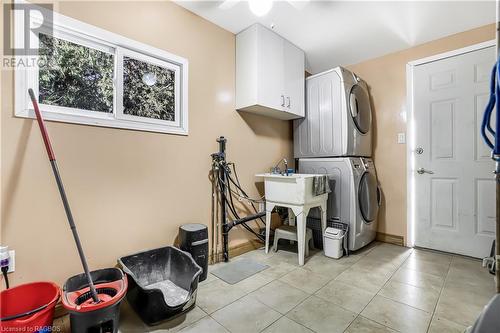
(69, 215)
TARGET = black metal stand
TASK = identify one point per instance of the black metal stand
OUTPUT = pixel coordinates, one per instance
(219, 159)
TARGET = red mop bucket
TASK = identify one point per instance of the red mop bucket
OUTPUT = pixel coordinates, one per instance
(28, 307)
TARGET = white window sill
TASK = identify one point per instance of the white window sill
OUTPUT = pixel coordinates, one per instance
(104, 122)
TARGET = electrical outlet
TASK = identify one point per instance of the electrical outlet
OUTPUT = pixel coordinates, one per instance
(12, 261)
(402, 138)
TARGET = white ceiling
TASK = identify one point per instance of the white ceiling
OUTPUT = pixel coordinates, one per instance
(347, 32)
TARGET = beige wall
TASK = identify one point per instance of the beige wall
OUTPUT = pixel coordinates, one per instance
(387, 79)
(129, 190)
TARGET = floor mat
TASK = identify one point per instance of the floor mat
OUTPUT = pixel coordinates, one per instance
(239, 270)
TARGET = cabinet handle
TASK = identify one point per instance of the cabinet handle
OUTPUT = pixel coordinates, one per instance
(288, 100)
(282, 100)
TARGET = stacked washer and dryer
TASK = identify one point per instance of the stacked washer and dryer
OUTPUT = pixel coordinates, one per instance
(335, 138)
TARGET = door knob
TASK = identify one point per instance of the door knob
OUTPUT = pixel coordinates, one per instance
(421, 171)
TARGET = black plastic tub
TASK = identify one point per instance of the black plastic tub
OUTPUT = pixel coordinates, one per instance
(162, 283)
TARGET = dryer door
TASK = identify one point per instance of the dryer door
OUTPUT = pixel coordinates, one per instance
(359, 105)
(368, 196)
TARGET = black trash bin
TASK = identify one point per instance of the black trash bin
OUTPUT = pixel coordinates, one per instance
(194, 239)
(162, 283)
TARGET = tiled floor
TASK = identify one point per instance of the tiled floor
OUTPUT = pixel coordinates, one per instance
(383, 288)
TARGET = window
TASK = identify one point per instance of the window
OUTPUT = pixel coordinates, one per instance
(90, 76)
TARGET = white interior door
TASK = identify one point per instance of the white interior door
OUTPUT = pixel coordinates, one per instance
(455, 187)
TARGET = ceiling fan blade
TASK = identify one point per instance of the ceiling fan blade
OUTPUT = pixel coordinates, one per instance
(228, 4)
(298, 4)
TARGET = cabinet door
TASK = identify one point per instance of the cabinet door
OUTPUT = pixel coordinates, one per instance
(294, 77)
(270, 70)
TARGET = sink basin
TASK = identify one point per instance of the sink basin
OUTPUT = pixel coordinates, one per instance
(295, 189)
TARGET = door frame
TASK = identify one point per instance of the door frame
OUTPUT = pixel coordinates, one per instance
(410, 130)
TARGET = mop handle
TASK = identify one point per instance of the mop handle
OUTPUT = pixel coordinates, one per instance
(41, 124)
(62, 192)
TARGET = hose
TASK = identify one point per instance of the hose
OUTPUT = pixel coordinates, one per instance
(230, 202)
(25, 314)
(238, 186)
(236, 215)
(243, 192)
(494, 145)
(486, 128)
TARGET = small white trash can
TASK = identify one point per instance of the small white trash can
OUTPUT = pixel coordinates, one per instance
(332, 243)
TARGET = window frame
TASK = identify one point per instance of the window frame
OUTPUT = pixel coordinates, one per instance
(90, 36)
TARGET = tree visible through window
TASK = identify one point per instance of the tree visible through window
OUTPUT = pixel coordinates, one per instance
(148, 90)
(86, 75)
(75, 76)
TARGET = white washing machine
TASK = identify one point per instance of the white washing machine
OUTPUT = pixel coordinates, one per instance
(338, 120)
(356, 196)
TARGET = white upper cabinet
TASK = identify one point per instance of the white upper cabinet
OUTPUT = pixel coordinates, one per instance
(270, 74)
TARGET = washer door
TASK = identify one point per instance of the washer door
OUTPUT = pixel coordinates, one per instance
(361, 112)
(368, 196)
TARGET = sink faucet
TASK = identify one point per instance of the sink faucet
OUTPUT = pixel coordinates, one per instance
(276, 168)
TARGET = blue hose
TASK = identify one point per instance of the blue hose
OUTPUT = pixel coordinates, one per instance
(496, 150)
(493, 143)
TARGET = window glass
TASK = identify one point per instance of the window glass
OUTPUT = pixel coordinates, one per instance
(148, 90)
(75, 76)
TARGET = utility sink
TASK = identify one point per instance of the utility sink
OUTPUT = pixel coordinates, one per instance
(295, 189)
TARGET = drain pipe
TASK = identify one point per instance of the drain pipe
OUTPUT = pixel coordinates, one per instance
(223, 192)
(218, 162)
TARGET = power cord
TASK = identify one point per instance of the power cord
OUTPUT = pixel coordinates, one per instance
(4, 263)
(5, 269)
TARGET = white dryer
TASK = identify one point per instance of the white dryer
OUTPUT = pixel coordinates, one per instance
(338, 120)
(356, 196)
